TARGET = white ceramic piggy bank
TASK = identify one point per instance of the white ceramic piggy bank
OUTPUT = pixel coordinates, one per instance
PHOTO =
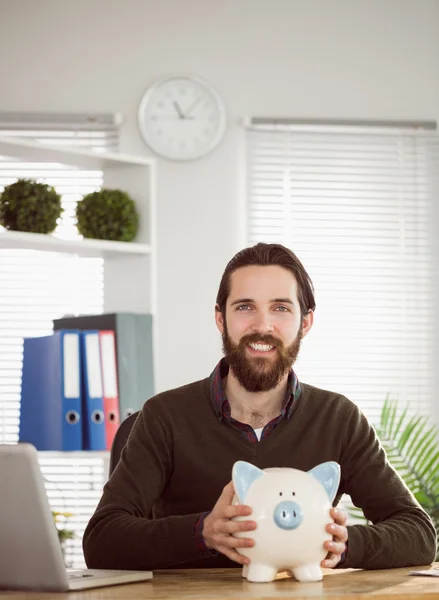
(291, 510)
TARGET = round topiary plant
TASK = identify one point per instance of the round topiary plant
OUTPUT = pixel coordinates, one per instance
(107, 215)
(27, 205)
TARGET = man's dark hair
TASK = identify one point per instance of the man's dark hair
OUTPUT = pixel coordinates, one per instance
(266, 255)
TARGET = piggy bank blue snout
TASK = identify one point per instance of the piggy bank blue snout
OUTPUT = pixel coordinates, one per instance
(288, 515)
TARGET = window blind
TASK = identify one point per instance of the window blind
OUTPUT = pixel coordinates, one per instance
(356, 205)
(37, 287)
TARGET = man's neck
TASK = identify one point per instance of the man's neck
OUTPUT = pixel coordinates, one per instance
(254, 408)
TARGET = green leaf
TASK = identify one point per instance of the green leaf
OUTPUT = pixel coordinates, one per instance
(425, 447)
(432, 464)
(399, 425)
(417, 434)
(384, 414)
(408, 431)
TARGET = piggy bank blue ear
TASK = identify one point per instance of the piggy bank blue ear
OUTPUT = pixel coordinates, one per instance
(328, 474)
(244, 475)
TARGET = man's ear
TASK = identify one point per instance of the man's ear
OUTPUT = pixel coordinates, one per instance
(219, 319)
(307, 323)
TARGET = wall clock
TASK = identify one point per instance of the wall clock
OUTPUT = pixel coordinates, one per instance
(182, 118)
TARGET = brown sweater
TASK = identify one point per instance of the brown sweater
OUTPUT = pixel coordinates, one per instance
(179, 456)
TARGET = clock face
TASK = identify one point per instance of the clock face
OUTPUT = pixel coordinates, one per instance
(182, 118)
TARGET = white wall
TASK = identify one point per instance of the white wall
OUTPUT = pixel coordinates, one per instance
(370, 59)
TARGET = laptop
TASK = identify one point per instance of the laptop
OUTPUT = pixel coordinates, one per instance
(31, 556)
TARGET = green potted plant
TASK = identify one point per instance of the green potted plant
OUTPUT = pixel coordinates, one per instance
(107, 215)
(412, 447)
(28, 205)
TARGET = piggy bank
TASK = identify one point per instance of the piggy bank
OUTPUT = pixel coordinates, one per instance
(291, 510)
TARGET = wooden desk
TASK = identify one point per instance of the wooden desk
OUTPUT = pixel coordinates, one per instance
(227, 584)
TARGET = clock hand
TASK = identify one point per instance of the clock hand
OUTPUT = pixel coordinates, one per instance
(180, 113)
(192, 106)
(178, 109)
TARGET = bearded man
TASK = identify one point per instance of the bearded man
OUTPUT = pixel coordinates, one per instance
(168, 503)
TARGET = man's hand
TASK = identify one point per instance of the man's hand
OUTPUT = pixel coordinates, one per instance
(218, 528)
(339, 538)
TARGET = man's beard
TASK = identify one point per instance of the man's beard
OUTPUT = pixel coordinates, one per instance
(259, 374)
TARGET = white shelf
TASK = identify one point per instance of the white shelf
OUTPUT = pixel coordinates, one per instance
(84, 247)
(38, 152)
(129, 268)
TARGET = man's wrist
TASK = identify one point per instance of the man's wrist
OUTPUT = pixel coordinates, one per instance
(200, 542)
(343, 556)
